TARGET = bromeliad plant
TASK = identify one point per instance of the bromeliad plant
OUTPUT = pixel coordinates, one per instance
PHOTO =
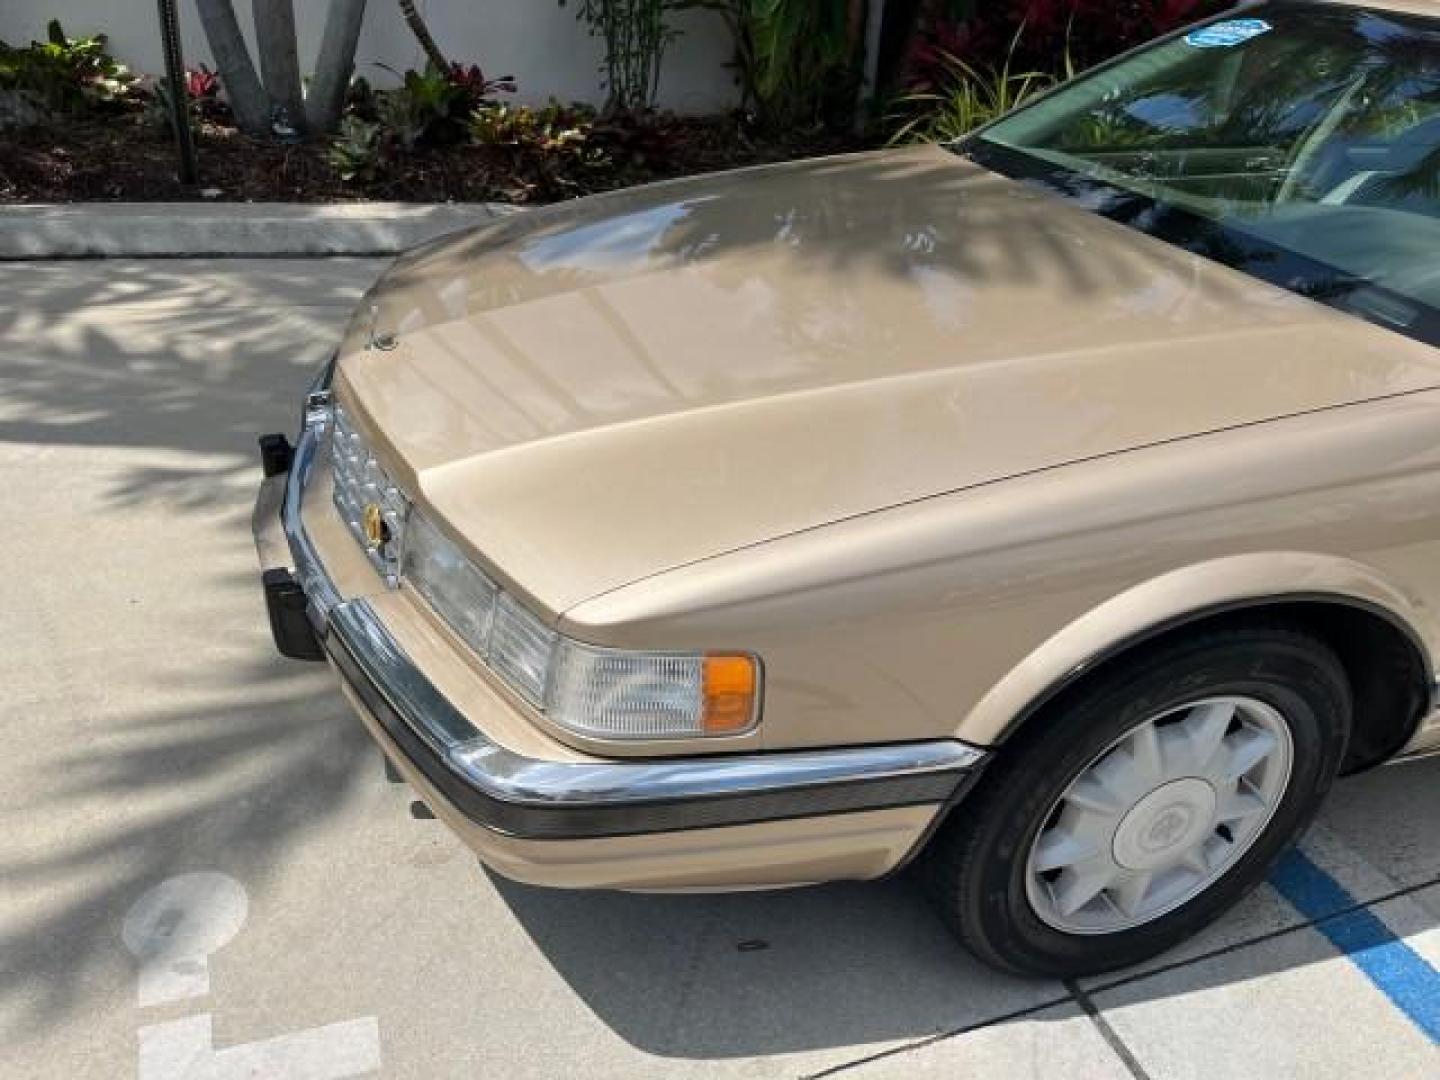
(202, 87)
(432, 108)
(201, 83)
(354, 152)
(202, 94)
(429, 110)
(477, 87)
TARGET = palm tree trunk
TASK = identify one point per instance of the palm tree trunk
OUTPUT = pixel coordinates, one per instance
(422, 34)
(279, 62)
(334, 65)
(247, 97)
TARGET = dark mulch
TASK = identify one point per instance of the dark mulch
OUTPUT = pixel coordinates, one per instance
(124, 158)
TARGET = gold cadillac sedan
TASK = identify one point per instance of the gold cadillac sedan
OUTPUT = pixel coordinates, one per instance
(1058, 510)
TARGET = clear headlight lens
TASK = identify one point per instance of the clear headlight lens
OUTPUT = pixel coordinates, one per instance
(602, 693)
(614, 694)
(609, 694)
(520, 649)
(464, 597)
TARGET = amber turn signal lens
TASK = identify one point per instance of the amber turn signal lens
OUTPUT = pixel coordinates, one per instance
(729, 694)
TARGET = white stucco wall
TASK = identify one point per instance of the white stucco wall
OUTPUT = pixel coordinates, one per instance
(537, 41)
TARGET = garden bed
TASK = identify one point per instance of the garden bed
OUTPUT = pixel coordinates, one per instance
(448, 133)
(125, 158)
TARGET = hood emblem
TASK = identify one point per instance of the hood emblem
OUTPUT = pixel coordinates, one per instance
(374, 339)
(376, 531)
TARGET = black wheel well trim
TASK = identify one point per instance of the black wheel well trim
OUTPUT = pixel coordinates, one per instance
(942, 812)
(1427, 690)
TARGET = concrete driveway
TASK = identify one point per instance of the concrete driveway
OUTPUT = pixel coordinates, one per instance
(203, 872)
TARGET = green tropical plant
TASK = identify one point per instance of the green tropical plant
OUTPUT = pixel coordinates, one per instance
(796, 60)
(428, 108)
(354, 152)
(969, 97)
(555, 151)
(635, 35)
(548, 127)
(64, 74)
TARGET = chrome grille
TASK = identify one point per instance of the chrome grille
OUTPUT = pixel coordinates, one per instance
(364, 490)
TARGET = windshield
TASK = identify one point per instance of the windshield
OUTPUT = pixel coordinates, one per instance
(1299, 143)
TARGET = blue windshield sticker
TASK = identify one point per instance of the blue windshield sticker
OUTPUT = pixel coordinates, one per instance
(1222, 35)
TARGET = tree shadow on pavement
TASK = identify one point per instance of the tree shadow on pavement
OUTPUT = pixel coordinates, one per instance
(752, 974)
(124, 769)
(231, 782)
(151, 729)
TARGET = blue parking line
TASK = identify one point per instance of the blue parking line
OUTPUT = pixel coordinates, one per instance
(1395, 969)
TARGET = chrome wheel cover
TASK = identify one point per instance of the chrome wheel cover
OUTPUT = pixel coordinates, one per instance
(1159, 815)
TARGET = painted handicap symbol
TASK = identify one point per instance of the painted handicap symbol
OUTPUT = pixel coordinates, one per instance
(184, 1050)
(172, 931)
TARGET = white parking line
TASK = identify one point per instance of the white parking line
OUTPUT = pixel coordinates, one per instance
(172, 930)
(184, 1050)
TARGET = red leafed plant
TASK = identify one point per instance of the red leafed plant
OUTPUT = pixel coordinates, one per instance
(1050, 33)
(476, 86)
(202, 87)
(202, 84)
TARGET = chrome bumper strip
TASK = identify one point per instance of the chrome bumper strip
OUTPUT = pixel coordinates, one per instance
(538, 799)
(529, 797)
(320, 592)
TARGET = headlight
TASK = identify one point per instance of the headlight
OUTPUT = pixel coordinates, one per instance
(614, 694)
(464, 597)
(601, 693)
(520, 649)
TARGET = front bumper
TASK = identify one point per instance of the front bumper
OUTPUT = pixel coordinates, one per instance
(497, 797)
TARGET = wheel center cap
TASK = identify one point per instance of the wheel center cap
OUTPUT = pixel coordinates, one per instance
(1166, 823)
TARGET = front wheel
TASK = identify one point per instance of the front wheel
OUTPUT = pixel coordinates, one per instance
(1145, 803)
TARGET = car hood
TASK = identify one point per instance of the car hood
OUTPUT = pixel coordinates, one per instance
(596, 392)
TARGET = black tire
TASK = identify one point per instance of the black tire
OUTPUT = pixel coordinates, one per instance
(975, 865)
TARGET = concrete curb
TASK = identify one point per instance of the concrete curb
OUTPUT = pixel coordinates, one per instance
(228, 230)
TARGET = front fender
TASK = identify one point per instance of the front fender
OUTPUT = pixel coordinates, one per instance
(1181, 596)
